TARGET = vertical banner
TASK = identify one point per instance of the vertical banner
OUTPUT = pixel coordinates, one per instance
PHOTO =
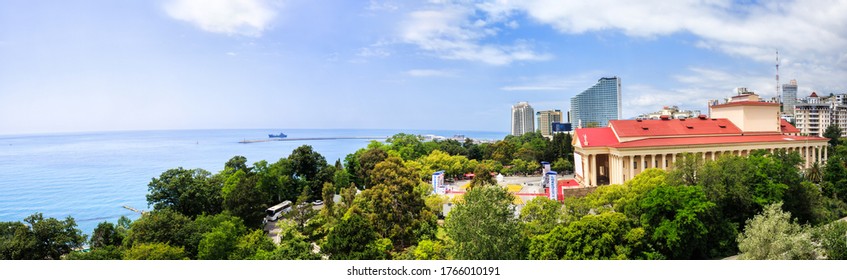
(551, 184)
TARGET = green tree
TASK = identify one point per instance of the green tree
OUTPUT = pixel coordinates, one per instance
(154, 251)
(393, 206)
(277, 182)
(367, 162)
(252, 244)
(163, 226)
(484, 227)
(106, 234)
(680, 223)
(561, 147)
(805, 202)
(685, 169)
(409, 146)
(772, 235)
(53, 238)
(430, 250)
(17, 242)
(814, 173)
(306, 162)
(833, 132)
(833, 240)
(594, 237)
(293, 245)
(727, 182)
(243, 199)
(562, 165)
(236, 163)
(540, 215)
(190, 192)
(353, 238)
(835, 178)
(220, 242)
(328, 196)
(302, 210)
(341, 179)
(482, 177)
(108, 252)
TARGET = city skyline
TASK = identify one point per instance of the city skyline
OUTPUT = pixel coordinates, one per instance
(220, 64)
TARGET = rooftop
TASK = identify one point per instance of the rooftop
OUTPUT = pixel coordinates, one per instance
(673, 127)
(745, 103)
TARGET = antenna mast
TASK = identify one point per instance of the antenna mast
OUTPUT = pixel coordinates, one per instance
(778, 96)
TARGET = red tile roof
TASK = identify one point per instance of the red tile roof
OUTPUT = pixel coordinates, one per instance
(813, 94)
(693, 126)
(711, 140)
(596, 137)
(748, 103)
(567, 183)
(786, 127)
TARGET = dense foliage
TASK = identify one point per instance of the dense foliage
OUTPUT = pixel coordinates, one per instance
(378, 205)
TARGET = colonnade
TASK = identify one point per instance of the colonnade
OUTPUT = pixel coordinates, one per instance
(622, 166)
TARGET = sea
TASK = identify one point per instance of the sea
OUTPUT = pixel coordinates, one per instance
(92, 176)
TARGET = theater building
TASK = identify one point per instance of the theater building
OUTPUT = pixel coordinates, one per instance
(620, 151)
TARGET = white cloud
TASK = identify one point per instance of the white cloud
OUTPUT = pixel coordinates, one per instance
(569, 83)
(430, 73)
(375, 5)
(232, 17)
(449, 32)
(696, 87)
(373, 52)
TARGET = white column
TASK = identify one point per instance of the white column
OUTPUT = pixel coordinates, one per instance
(806, 158)
(826, 153)
(592, 164)
(617, 167)
(631, 167)
(673, 159)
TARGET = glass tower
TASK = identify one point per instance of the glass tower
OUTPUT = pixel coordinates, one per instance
(789, 97)
(598, 104)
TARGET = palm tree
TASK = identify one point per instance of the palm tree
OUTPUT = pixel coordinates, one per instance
(813, 174)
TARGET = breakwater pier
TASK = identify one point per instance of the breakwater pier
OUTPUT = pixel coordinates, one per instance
(246, 141)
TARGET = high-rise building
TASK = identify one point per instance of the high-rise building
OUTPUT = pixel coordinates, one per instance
(523, 119)
(814, 114)
(789, 97)
(546, 120)
(597, 105)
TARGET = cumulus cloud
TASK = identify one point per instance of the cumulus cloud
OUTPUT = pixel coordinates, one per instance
(450, 32)
(232, 17)
(696, 86)
(811, 34)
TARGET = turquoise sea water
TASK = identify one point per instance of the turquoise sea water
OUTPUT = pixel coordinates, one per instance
(90, 176)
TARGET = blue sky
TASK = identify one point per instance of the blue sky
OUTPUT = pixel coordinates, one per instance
(70, 66)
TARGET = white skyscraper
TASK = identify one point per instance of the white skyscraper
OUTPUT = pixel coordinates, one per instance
(523, 119)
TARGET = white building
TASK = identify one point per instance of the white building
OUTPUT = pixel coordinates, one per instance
(523, 119)
(812, 115)
(672, 112)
